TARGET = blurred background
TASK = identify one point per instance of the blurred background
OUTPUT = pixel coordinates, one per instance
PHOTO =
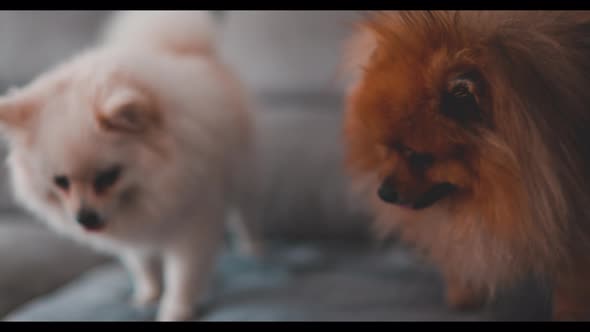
(323, 263)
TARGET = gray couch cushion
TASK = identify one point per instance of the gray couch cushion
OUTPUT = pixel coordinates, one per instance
(304, 189)
(272, 50)
(287, 51)
(35, 261)
(298, 283)
(33, 40)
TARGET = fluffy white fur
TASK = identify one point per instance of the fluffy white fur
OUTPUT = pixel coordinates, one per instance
(154, 99)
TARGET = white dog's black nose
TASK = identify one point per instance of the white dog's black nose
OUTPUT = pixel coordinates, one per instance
(89, 219)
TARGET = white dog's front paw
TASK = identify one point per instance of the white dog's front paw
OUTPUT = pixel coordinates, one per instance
(171, 313)
(142, 300)
(145, 296)
(251, 249)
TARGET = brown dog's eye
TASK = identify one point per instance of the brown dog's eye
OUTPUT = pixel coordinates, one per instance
(418, 160)
(403, 150)
(106, 178)
(62, 182)
(460, 102)
(461, 91)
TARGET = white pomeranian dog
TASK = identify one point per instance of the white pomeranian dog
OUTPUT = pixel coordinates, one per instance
(139, 147)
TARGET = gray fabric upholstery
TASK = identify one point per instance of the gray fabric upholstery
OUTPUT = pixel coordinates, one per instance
(304, 188)
(279, 51)
(272, 50)
(33, 40)
(297, 283)
(34, 261)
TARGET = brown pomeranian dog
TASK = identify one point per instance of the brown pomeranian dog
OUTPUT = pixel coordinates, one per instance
(469, 132)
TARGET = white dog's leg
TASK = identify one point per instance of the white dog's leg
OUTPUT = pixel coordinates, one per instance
(188, 268)
(245, 218)
(247, 233)
(146, 274)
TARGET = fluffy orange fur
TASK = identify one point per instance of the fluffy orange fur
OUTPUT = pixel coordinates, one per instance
(517, 152)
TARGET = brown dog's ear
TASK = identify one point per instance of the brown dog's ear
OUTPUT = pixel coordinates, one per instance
(358, 51)
(128, 110)
(16, 111)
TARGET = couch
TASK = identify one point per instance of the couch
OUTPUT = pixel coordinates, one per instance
(322, 264)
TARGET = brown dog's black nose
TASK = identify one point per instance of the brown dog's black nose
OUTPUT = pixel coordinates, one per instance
(387, 192)
(89, 219)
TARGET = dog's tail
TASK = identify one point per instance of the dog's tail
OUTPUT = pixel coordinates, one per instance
(175, 31)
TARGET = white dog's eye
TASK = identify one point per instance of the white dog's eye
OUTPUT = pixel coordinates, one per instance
(106, 178)
(62, 182)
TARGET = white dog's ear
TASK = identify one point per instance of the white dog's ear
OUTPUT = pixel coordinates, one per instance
(128, 110)
(16, 111)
